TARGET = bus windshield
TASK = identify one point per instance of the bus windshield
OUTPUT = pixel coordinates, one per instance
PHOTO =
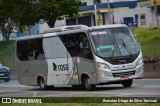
(113, 42)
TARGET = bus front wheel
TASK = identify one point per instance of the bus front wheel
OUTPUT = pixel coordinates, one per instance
(127, 83)
(87, 84)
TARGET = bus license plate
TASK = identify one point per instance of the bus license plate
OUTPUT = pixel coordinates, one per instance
(124, 77)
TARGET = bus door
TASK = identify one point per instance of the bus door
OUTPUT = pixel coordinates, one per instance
(69, 41)
(85, 61)
(56, 57)
(80, 58)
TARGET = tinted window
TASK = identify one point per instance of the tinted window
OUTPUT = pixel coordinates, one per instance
(30, 49)
(77, 45)
(70, 43)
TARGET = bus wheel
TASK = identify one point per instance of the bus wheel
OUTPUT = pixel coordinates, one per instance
(42, 84)
(7, 80)
(87, 84)
(127, 83)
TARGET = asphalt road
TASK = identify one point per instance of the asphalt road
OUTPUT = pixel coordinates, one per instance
(140, 88)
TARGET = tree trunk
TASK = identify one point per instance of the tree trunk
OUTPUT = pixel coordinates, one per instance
(51, 22)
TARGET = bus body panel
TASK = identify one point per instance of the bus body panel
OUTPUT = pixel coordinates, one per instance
(87, 67)
(116, 71)
(62, 66)
(30, 70)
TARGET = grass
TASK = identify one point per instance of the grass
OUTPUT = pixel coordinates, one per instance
(149, 40)
(7, 47)
(7, 53)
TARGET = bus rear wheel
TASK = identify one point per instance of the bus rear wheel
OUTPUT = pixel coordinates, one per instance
(127, 83)
(41, 83)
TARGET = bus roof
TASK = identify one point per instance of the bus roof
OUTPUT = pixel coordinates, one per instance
(108, 26)
(30, 37)
(68, 29)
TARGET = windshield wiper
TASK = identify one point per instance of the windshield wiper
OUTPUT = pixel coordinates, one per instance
(130, 53)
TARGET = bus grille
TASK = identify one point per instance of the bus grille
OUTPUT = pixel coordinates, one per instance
(122, 61)
(130, 73)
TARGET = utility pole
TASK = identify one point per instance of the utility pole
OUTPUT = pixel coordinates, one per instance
(95, 13)
(155, 11)
(157, 20)
(109, 12)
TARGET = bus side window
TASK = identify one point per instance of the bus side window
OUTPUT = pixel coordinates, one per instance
(30, 50)
(70, 43)
(21, 50)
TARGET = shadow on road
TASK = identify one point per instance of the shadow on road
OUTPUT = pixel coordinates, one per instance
(70, 89)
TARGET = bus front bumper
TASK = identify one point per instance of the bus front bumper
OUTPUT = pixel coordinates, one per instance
(107, 76)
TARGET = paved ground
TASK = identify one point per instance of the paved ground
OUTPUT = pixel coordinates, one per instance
(140, 88)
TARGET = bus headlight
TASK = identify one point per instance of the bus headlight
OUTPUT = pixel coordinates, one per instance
(102, 65)
(140, 61)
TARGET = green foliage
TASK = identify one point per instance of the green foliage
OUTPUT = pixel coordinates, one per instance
(7, 47)
(6, 18)
(14, 14)
(51, 10)
(7, 53)
(149, 40)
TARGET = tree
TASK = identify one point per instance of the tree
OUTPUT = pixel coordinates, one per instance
(6, 23)
(26, 14)
(52, 10)
(14, 14)
(17, 13)
(6, 27)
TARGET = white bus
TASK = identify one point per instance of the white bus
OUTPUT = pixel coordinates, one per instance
(79, 56)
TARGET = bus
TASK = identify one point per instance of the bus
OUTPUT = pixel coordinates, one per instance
(79, 56)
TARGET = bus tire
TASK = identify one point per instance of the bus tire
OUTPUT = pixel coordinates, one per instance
(42, 83)
(87, 84)
(127, 83)
(7, 80)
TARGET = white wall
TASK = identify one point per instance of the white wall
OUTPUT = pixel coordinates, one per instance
(90, 2)
(60, 23)
(120, 14)
(43, 27)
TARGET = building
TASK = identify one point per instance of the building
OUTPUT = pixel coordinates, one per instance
(134, 13)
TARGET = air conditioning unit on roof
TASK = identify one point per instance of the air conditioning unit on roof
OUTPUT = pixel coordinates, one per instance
(65, 28)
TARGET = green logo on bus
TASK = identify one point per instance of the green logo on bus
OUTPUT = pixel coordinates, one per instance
(62, 67)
